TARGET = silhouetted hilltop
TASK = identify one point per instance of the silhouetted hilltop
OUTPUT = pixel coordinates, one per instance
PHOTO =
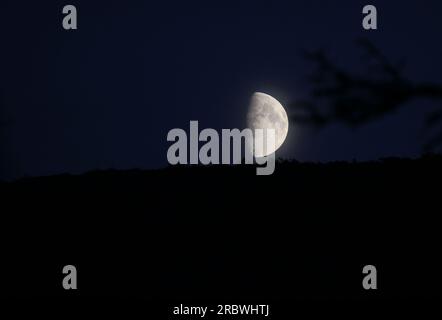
(222, 232)
(285, 170)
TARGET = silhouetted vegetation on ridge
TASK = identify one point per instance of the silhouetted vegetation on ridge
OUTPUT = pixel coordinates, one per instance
(221, 232)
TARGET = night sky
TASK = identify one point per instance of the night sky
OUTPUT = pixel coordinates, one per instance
(105, 95)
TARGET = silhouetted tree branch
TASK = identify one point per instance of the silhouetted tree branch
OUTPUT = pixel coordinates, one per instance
(339, 95)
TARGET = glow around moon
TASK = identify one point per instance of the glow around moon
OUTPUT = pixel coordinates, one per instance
(265, 112)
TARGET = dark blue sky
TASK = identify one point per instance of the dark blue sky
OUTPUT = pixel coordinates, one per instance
(106, 94)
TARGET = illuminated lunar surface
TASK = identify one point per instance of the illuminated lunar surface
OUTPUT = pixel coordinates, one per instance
(265, 112)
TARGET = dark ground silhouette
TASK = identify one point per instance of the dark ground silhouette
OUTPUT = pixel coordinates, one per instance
(224, 234)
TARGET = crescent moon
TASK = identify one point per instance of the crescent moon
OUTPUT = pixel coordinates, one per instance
(265, 112)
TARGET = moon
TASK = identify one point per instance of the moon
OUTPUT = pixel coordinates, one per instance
(265, 112)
